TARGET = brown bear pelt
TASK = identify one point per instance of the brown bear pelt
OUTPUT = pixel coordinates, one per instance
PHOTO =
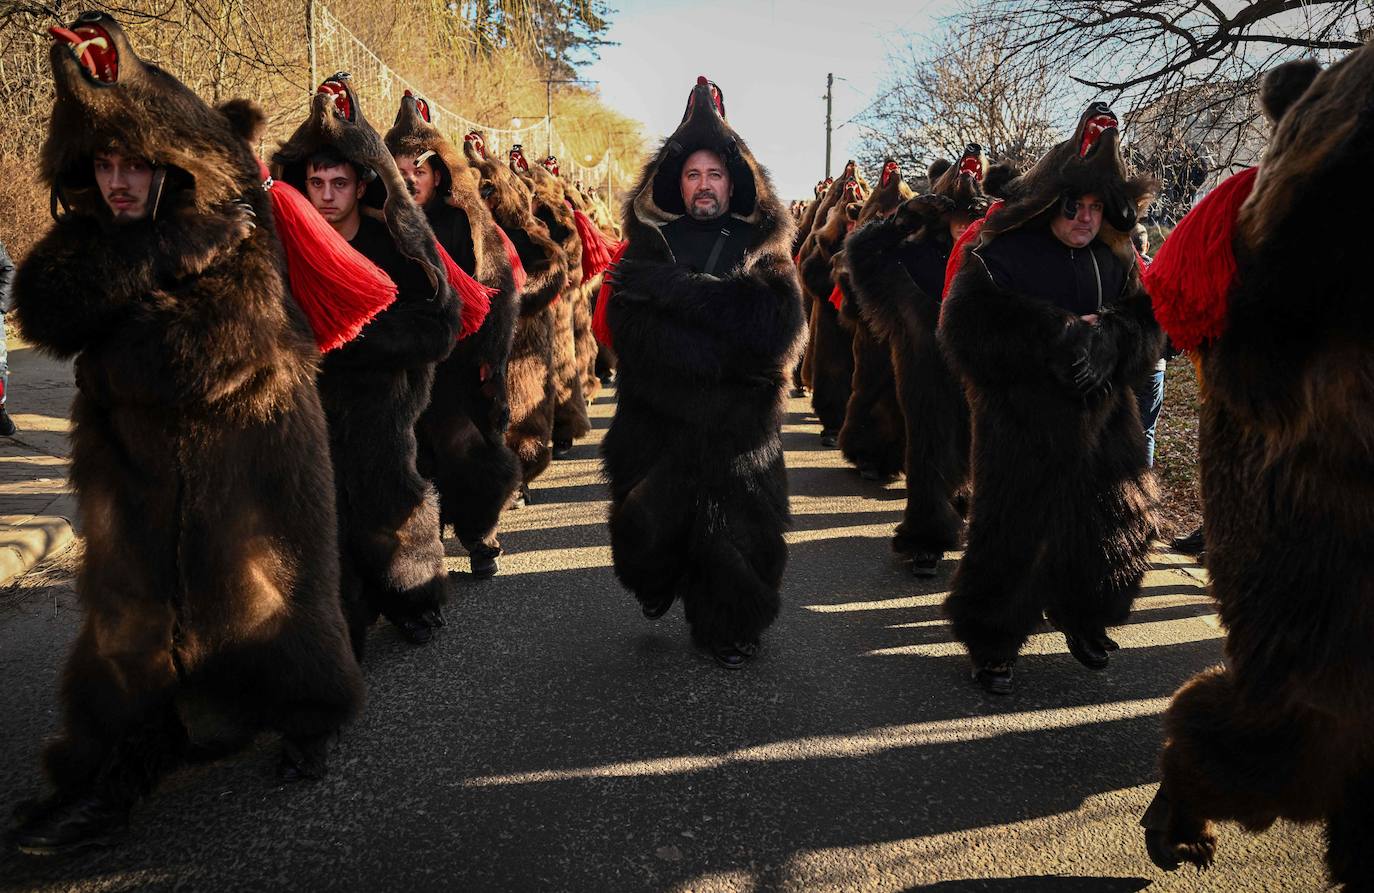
(1284, 729)
(830, 354)
(897, 267)
(584, 339)
(209, 583)
(694, 453)
(873, 437)
(529, 375)
(461, 435)
(374, 389)
(1060, 520)
(570, 420)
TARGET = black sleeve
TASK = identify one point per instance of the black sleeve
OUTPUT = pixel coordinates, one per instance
(6, 279)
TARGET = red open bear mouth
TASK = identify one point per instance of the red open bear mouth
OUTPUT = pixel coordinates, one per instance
(343, 103)
(888, 170)
(421, 106)
(971, 165)
(1096, 126)
(92, 46)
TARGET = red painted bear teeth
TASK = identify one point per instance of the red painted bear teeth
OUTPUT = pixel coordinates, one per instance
(1094, 129)
(92, 47)
(343, 106)
(971, 165)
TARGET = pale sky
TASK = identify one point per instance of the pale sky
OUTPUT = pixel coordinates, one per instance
(770, 60)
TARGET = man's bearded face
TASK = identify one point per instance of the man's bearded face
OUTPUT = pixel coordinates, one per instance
(420, 176)
(706, 186)
(124, 183)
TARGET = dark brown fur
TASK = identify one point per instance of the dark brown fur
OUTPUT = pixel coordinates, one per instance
(209, 581)
(374, 389)
(461, 436)
(1284, 730)
(529, 379)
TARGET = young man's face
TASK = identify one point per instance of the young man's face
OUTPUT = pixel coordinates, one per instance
(1080, 229)
(706, 186)
(957, 224)
(335, 192)
(124, 183)
(421, 178)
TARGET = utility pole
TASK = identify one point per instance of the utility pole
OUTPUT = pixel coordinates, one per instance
(548, 107)
(310, 42)
(829, 96)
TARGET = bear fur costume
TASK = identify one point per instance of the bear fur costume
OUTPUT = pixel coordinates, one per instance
(589, 357)
(897, 270)
(1283, 730)
(210, 582)
(570, 420)
(873, 437)
(374, 389)
(461, 435)
(830, 346)
(529, 376)
(1061, 515)
(694, 453)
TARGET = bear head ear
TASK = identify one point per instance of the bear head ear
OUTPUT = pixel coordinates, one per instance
(246, 117)
(937, 169)
(999, 175)
(1282, 86)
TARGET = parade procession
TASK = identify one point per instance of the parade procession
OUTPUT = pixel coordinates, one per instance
(1011, 478)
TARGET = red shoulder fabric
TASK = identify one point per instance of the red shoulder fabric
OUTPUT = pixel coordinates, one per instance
(836, 296)
(600, 327)
(596, 248)
(1190, 277)
(956, 254)
(475, 296)
(338, 289)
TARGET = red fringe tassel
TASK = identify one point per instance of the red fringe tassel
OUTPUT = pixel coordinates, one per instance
(600, 327)
(1191, 275)
(338, 289)
(475, 296)
(596, 248)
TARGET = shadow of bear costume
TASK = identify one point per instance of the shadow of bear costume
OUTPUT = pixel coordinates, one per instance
(694, 453)
(374, 389)
(1060, 520)
(1284, 730)
(529, 375)
(199, 452)
(897, 271)
(461, 435)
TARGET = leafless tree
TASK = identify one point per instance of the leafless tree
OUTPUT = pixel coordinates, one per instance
(956, 89)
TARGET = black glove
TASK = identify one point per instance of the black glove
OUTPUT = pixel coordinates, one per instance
(1086, 360)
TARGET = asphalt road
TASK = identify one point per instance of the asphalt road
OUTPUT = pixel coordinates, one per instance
(553, 739)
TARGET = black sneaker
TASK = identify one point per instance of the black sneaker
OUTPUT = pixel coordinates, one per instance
(1091, 653)
(483, 560)
(89, 822)
(731, 656)
(925, 564)
(994, 677)
(830, 438)
(656, 609)
(561, 448)
(7, 426)
(1192, 544)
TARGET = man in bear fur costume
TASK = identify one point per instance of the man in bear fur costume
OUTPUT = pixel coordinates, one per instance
(1283, 730)
(897, 269)
(461, 436)
(1049, 336)
(694, 454)
(570, 420)
(529, 376)
(830, 355)
(199, 452)
(374, 388)
(873, 437)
